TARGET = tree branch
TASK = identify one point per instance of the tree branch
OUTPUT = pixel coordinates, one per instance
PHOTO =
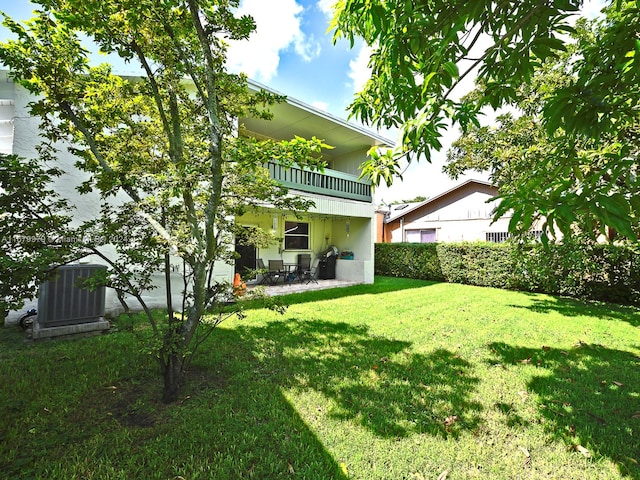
(489, 50)
(133, 292)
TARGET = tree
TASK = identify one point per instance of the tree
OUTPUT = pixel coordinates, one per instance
(161, 150)
(33, 223)
(416, 199)
(422, 51)
(580, 185)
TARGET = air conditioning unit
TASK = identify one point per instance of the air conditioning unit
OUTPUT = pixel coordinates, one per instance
(62, 302)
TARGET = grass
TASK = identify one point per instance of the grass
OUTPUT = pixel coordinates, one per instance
(401, 379)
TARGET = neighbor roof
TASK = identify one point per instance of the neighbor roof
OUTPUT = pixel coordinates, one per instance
(396, 213)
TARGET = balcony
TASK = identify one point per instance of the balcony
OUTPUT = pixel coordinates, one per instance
(330, 182)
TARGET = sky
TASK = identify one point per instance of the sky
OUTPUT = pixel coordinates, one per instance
(293, 52)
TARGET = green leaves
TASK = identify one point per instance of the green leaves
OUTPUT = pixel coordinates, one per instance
(34, 228)
(567, 161)
(574, 186)
(425, 46)
(381, 166)
(604, 96)
(166, 140)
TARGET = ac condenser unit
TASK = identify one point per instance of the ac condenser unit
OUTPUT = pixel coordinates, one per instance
(62, 302)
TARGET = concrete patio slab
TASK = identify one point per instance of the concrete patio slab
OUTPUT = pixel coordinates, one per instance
(295, 287)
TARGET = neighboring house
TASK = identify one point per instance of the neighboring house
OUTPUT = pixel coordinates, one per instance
(463, 213)
(344, 212)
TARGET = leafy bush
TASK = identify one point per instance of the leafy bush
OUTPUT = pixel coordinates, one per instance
(598, 272)
(480, 264)
(408, 260)
(590, 271)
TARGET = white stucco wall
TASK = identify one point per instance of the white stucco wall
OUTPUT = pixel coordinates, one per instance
(467, 219)
(25, 139)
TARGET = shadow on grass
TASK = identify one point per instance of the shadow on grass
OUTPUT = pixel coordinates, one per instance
(572, 307)
(590, 399)
(373, 381)
(92, 409)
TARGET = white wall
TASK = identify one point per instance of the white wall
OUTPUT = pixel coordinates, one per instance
(25, 139)
(471, 207)
(456, 230)
(350, 162)
(7, 112)
(467, 219)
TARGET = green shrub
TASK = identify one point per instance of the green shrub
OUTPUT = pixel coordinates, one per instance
(599, 272)
(408, 260)
(482, 264)
(590, 271)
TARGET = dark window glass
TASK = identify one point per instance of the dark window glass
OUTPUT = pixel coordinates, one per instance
(296, 236)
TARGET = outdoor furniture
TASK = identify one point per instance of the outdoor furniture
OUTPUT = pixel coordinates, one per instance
(311, 274)
(291, 272)
(268, 276)
(261, 269)
(276, 270)
(303, 265)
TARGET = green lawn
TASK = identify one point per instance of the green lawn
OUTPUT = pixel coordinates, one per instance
(401, 379)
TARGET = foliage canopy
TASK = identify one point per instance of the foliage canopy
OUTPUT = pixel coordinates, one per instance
(161, 149)
(580, 184)
(422, 52)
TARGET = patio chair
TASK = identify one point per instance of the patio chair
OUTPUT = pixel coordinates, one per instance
(276, 270)
(304, 265)
(267, 276)
(311, 274)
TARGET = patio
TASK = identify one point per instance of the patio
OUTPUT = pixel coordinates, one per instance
(296, 287)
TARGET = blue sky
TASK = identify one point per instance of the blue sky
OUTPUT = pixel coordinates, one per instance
(292, 52)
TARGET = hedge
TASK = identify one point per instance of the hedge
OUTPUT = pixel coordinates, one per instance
(596, 272)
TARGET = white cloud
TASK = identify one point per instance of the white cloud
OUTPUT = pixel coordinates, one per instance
(592, 8)
(326, 6)
(359, 71)
(277, 29)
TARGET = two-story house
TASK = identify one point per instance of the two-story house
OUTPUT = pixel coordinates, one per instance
(343, 215)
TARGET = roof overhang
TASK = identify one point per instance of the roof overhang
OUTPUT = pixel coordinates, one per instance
(293, 117)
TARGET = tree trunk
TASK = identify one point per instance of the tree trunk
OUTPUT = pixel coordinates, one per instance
(173, 376)
(173, 363)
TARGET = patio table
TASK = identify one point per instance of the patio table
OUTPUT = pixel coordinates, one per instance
(291, 273)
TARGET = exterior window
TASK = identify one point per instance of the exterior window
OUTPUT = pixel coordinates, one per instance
(497, 237)
(296, 236)
(421, 236)
(500, 237)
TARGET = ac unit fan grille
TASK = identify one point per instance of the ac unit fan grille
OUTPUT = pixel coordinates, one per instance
(62, 302)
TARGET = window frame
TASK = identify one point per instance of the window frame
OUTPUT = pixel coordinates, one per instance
(296, 241)
(420, 232)
(497, 237)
